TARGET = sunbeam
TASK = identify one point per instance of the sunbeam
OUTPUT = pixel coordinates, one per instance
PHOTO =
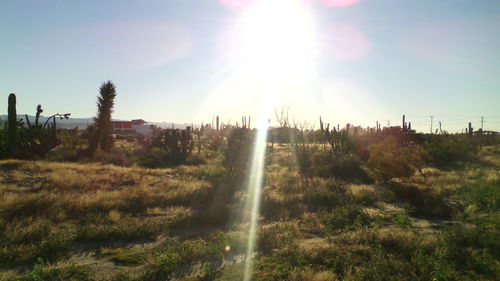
(274, 44)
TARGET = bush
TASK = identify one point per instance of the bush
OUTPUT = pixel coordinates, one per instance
(423, 202)
(3, 143)
(448, 148)
(303, 150)
(215, 141)
(195, 159)
(346, 167)
(472, 249)
(213, 174)
(401, 220)
(116, 156)
(69, 138)
(483, 196)
(238, 153)
(168, 147)
(346, 217)
(63, 155)
(277, 236)
(154, 158)
(389, 160)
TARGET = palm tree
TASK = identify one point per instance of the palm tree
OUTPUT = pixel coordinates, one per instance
(102, 134)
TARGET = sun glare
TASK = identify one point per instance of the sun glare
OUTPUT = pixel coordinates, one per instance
(275, 38)
(275, 42)
(268, 55)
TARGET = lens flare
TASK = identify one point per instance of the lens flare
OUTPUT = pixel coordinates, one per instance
(235, 4)
(346, 42)
(254, 190)
(274, 44)
(339, 3)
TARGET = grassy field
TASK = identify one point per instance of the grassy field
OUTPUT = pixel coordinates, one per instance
(68, 221)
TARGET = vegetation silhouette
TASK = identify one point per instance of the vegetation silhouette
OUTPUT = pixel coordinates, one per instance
(339, 202)
(101, 137)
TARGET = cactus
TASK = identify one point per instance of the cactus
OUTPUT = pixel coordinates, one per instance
(339, 140)
(39, 139)
(31, 139)
(12, 125)
(39, 110)
(177, 144)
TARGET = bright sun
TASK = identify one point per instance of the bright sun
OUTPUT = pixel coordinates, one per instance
(270, 51)
(275, 38)
(275, 42)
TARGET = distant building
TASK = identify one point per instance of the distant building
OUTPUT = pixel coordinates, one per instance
(136, 126)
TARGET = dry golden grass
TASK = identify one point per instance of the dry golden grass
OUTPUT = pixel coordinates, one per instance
(146, 220)
(47, 207)
(315, 248)
(311, 275)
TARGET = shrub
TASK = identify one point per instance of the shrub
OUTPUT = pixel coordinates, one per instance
(215, 141)
(63, 155)
(389, 160)
(483, 196)
(69, 138)
(423, 202)
(213, 174)
(238, 153)
(166, 261)
(346, 217)
(448, 148)
(4, 146)
(475, 249)
(195, 159)
(346, 167)
(168, 147)
(154, 158)
(277, 236)
(303, 151)
(116, 156)
(401, 220)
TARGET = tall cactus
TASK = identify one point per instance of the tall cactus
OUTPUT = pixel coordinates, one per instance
(12, 129)
(39, 111)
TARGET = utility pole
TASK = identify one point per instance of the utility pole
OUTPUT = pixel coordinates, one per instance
(432, 118)
(482, 120)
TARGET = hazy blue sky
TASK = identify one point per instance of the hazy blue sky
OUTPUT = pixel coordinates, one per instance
(377, 60)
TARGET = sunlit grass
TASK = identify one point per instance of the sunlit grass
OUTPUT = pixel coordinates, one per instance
(149, 224)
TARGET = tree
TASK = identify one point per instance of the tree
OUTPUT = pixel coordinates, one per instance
(102, 134)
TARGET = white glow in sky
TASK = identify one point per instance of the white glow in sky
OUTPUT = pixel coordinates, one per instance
(419, 58)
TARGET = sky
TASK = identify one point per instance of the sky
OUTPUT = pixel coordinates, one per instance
(177, 60)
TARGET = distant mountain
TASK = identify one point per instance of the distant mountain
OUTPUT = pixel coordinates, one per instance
(64, 123)
(82, 123)
(169, 125)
